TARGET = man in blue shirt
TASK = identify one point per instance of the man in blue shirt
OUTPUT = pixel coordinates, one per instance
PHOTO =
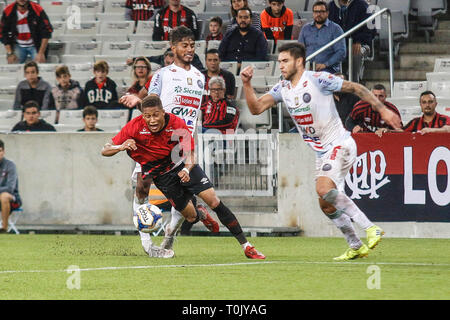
(317, 34)
(244, 42)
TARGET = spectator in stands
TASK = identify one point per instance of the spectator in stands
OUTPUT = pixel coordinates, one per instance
(67, 94)
(142, 74)
(244, 43)
(218, 112)
(235, 6)
(172, 16)
(318, 33)
(101, 91)
(215, 29)
(33, 88)
(430, 121)
(277, 21)
(25, 31)
(142, 10)
(9, 188)
(31, 121)
(167, 58)
(90, 117)
(213, 70)
(347, 14)
(344, 101)
(364, 119)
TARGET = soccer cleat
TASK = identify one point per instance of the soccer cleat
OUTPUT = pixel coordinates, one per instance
(157, 252)
(374, 235)
(209, 222)
(351, 254)
(252, 253)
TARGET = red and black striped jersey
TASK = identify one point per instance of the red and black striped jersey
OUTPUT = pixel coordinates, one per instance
(419, 123)
(219, 36)
(143, 9)
(368, 119)
(222, 115)
(166, 20)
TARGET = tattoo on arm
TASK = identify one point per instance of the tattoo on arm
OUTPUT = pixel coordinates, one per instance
(363, 93)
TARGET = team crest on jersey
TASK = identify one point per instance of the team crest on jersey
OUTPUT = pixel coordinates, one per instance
(200, 84)
(189, 81)
(306, 97)
(297, 101)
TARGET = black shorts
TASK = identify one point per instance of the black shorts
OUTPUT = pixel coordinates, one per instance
(179, 193)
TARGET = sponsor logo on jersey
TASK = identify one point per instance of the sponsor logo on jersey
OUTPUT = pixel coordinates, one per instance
(184, 112)
(200, 84)
(187, 101)
(324, 82)
(144, 131)
(178, 89)
(304, 119)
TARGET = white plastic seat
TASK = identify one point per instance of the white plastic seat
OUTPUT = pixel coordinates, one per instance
(442, 65)
(260, 68)
(7, 92)
(231, 66)
(68, 127)
(409, 88)
(151, 48)
(116, 27)
(110, 16)
(213, 44)
(49, 116)
(112, 117)
(145, 27)
(250, 121)
(200, 47)
(440, 88)
(86, 28)
(217, 6)
(70, 117)
(123, 49)
(84, 48)
(9, 118)
(195, 5)
(74, 58)
(55, 7)
(114, 6)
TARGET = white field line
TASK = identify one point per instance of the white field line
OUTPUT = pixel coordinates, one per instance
(350, 263)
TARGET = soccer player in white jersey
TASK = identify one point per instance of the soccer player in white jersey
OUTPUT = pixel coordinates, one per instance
(180, 87)
(308, 96)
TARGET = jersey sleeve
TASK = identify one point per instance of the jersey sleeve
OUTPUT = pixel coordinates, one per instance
(275, 92)
(155, 86)
(122, 136)
(326, 82)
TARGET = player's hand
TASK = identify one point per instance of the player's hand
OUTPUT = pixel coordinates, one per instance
(247, 74)
(129, 144)
(129, 100)
(184, 176)
(357, 129)
(391, 118)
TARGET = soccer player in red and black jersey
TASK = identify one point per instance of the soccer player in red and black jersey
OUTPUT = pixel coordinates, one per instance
(430, 121)
(163, 145)
(364, 119)
(172, 16)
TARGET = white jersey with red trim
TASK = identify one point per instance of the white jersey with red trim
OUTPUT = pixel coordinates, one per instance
(312, 108)
(180, 91)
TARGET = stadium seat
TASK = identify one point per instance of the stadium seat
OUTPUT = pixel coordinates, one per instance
(9, 118)
(426, 12)
(270, 45)
(400, 102)
(260, 68)
(111, 37)
(443, 109)
(409, 88)
(146, 28)
(8, 81)
(437, 76)
(88, 6)
(112, 118)
(440, 88)
(116, 48)
(55, 7)
(114, 6)
(74, 58)
(442, 65)
(231, 66)
(409, 113)
(117, 27)
(49, 116)
(83, 48)
(111, 59)
(6, 104)
(195, 5)
(68, 127)
(8, 92)
(119, 71)
(151, 48)
(250, 121)
(281, 42)
(70, 117)
(59, 28)
(200, 47)
(298, 5)
(257, 5)
(272, 80)
(213, 44)
(217, 6)
(86, 28)
(108, 16)
(135, 113)
(400, 22)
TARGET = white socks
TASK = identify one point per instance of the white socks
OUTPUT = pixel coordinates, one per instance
(145, 237)
(344, 224)
(342, 202)
(176, 221)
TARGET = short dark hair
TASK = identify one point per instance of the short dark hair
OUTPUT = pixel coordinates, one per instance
(379, 86)
(179, 33)
(2, 145)
(61, 70)
(320, 3)
(212, 51)
(31, 104)
(295, 49)
(242, 9)
(101, 66)
(216, 19)
(427, 92)
(89, 111)
(279, 1)
(151, 101)
(31, 64)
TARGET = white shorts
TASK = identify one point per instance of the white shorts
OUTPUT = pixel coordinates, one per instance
(336, 163)
(137, 169)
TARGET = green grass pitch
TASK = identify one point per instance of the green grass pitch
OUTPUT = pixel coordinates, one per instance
(214, 268)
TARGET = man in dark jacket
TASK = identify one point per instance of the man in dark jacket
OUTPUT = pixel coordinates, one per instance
(9, 188)
(347, 14)
(25, 31)
(31, 120)
(244, 42)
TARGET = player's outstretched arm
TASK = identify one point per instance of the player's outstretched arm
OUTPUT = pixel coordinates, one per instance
(365, 94)
(130, 100)
(110, 149)
(255, 105)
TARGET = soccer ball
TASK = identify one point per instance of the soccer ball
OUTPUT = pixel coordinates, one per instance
(147, 218)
